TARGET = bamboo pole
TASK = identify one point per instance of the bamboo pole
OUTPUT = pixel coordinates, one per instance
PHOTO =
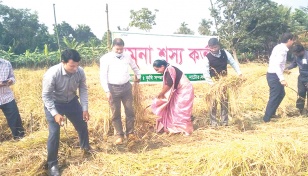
(57, 33)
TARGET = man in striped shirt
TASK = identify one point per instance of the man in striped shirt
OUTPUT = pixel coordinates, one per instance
(7, 101)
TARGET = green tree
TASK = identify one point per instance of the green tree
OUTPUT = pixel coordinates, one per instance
(71, 43)
(20, 30)
(105, 40)
(184, 29)
(83, 34)
(65, 30)
(143, 19)
(205, 27)
(300, 20)
(250, 25)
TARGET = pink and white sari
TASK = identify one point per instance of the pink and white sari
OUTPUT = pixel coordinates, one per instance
(175, 111)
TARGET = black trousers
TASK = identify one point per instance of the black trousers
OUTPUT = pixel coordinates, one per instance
(73, 112)
(276, 96)
(302, 91)
(10, 111)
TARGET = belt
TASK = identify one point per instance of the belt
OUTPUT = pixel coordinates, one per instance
(118, 85)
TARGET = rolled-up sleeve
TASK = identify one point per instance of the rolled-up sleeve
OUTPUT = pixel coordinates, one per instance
(48, 89)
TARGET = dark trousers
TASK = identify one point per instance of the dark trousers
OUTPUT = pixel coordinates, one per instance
(73, 112)
(224, 110)
(302, 92)
(122, 93)
(10, 111)
(277, 94)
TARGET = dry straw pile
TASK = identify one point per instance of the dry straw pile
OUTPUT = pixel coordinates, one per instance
(246, 147)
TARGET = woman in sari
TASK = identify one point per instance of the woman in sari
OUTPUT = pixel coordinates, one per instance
(174, 103)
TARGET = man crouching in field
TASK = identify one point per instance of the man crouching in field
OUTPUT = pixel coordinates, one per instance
(60, 84)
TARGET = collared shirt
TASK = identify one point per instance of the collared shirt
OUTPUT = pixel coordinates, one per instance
(61, 87)
(230, 61)
(6, 73)
(302, 63)
(277, 60)
(115, 70)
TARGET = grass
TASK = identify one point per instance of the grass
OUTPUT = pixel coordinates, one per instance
(247, 147)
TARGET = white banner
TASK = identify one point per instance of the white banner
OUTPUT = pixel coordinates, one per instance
(186, 52)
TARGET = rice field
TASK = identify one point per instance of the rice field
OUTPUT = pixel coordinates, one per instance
(246, 147)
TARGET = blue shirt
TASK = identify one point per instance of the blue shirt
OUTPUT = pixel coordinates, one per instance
(302, 64)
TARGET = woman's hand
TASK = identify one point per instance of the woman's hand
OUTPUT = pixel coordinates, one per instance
(161, 96)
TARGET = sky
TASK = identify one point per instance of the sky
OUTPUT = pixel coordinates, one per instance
(92, 12)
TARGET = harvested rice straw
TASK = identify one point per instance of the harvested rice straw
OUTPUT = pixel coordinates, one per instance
(137, 104)
(233, 85)
(107, 124)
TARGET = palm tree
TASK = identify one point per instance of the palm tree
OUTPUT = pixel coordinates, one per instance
(205, 26)
(184, 29)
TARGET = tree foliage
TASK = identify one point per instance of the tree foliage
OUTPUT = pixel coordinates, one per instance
(143, 19)
(184, 29)
(20, 30)
(84, 34)
(250, 26)
(205, 27)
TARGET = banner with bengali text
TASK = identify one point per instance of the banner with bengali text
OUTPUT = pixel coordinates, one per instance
(186, 52)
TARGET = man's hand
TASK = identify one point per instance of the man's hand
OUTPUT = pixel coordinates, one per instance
(287, 71)
(284, 83)
(59, 119)
(86, 116)
(109, 97)
(8, 83)
(137, 80)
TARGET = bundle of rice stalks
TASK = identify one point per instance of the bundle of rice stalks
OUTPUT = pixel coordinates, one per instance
(222, 87)
(232, 87)
(137, 104)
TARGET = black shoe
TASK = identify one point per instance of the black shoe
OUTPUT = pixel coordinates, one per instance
(88, 151)
(301, 111)
(276, 116)
(54, 171)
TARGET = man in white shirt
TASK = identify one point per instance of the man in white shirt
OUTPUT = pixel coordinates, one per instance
(114, 77)
(274, 76)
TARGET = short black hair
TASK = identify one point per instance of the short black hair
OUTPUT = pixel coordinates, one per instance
(159, 63)
(70, 54)
(118, 42)
(213, 42)
(286, 37)
(297, 48)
